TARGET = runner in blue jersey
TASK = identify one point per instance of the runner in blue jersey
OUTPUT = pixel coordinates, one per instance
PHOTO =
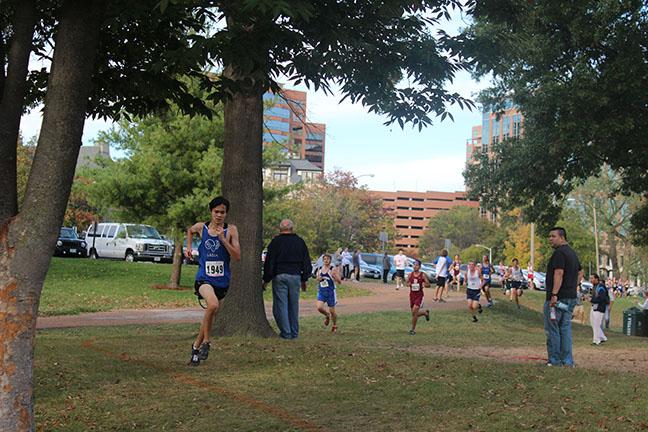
(219, 244)
(327, 277)
(487, 271)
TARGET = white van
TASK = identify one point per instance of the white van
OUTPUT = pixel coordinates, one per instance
(130, 242)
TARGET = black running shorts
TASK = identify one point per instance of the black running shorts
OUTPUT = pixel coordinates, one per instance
(220, 292)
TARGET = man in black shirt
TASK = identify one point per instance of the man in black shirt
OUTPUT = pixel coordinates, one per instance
(287, 265)
(563, 275)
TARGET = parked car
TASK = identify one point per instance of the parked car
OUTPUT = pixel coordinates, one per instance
(69, 244)
(130, 242)
(375, 259)
(370, 271)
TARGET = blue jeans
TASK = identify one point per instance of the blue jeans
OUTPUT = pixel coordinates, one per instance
(285, 304)
(559, 334)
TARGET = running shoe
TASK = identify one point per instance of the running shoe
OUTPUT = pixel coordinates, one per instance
(203, 352)
(412, 332)
(427, 315)
(327, 320)
(334, 329)
(596, 343)
(195, 357)
(475, 319)
(489, 304)
(441, 300)
(480, 308)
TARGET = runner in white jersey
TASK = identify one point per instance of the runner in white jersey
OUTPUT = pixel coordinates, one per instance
(473, 289)
(515, 276)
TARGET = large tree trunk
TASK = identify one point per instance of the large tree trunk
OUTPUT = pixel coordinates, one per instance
(12, 96)
(27, 241)
(176, 270)
(243, 312)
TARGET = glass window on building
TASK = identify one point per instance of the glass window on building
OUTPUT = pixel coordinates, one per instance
(486, 128)
(274, 137)
(496, 128)
(312, 136)
(506, 126)
(277, 112)
(277, 125)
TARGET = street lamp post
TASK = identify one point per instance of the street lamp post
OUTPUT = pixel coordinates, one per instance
(490, 252)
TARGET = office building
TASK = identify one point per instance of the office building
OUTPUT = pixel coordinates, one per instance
(412, 212)
(285, 122)
(495, 128)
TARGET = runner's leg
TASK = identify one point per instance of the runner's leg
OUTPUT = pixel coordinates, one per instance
(207, 293)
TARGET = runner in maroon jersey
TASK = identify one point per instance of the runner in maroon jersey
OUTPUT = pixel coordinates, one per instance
(416, 281)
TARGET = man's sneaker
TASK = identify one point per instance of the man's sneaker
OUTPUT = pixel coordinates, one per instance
(475, 319)
(195, 357)
(412, 332)
(334, 329)
(427, 315)
(203, 352)
(480, 308)
(596, 343)
(489, 304)
(326, 320)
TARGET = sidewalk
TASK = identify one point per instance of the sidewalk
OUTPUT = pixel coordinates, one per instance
(383, 298)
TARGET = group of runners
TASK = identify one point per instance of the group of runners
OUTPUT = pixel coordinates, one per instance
(477, 279)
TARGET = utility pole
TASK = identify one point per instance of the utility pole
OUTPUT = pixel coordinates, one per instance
(596, 236)
(532, 259)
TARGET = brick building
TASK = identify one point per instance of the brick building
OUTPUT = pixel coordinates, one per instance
(413, 210)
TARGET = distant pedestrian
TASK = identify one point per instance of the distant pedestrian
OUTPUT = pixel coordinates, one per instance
(563, 273)
(386, 267)
(473, 289)
(416, 281)
(400, 262)
(356, 265)
(346, 264)
(515, 277)
(442, 271)
(336, 260)
(600, 300)
(456, 272)
(219, 243)
(531, 277)
(327, 276)
(608, 310)
(487, 271)
(501, 271)
(287, 265)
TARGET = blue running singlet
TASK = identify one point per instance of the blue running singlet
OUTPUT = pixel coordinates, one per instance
(213, 260)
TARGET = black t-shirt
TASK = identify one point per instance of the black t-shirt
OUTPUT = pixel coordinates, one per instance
(564, 258)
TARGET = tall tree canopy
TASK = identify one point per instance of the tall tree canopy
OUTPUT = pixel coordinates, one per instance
(578, 72)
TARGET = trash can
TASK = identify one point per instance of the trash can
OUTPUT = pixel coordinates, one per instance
(635, 322)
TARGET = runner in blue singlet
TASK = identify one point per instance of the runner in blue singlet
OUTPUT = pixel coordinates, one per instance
(219, 243)
(486, 271)
(327, 276)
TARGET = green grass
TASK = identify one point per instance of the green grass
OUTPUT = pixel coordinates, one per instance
(370, 376)
(73, 286)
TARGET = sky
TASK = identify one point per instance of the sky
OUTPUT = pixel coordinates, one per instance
(385, 158)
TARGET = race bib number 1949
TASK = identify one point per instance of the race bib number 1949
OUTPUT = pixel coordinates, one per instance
(215, 268)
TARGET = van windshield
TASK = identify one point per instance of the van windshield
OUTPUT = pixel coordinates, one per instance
(142, 232)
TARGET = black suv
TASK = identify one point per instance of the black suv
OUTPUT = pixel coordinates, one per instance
(69, 244)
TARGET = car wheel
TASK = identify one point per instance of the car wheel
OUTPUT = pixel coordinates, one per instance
(93, 254)
(130, 257)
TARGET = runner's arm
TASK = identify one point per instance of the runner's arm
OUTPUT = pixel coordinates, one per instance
(427, 281)
(194, 229)
(231, 243)
(335, 274)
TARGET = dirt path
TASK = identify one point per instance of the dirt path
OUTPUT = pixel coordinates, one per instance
(383, 298)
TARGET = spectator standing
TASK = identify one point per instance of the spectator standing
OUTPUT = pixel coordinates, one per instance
(386, 267)
(608, 310)
(442, 272)
(530, 276)
(456, 272)
(356, 265)
(400, 261)
(600, 301)
(346, 264)
(337, 259)
(287, 265)
(563, 273)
